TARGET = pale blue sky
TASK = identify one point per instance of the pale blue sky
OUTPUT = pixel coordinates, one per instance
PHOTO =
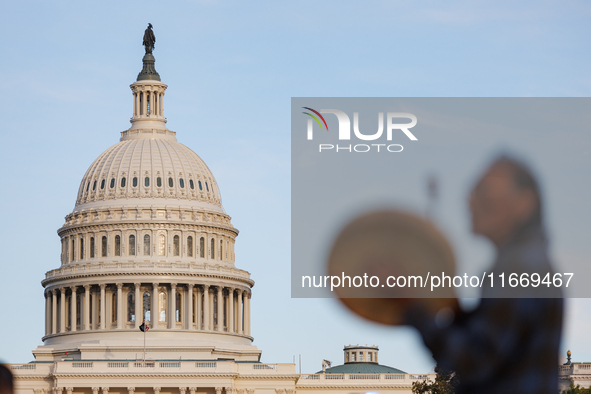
(232, 68)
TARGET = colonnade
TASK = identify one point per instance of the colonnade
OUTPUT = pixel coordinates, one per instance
(147, 101)
(119, 306)
(156, 390)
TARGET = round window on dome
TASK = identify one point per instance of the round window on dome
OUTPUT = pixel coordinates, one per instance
(159, 182)
(112, 185)
(123, 182)
(181, 183)
(191, 184)
(134, 181)
(103, 184)
(200, 187)
(170, 182)
(147, 181)
(94, 186)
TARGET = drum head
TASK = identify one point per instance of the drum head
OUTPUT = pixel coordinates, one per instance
(394, 253)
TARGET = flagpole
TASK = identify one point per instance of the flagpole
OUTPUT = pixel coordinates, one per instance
(145, 341)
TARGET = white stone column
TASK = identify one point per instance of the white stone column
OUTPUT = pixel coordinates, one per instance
(119, 306)
(205, 307)
(220, 309)
(189, 309)
(73, 309)
(47, 313)
(94, 309)
(105, 389)
(63, 309)
(247, 296)
(198, 308)
(139, 310)
(145, 103)
(161, 112)
(130, 390)
(156, 390)
(102, 302)
(172, 307)
(54, 311)
(230, 309)
(87, 307)
(240, 316)
(154, 307)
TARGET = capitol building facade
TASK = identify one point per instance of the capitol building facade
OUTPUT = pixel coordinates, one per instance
(149, 247)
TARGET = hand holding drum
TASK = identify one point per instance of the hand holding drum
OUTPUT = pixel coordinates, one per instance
(395, 253)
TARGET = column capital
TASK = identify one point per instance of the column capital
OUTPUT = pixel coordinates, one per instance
(130, 390)
(182, 390)
(205, 287)
(190, 285)
(239, 290)
(87, 287)
(229, 390)
(119, 286)
(53, 292)
(63, 290)
(218, 390)
(102, 286)
(173, 284)
(192, 390)
(69, 390)
(156, 390)
(73, 288)
(95, 390)
(155, 285)
(105, 390)
(137, 285)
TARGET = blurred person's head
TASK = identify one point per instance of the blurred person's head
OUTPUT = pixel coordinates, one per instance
(505, 201)
(6, 385)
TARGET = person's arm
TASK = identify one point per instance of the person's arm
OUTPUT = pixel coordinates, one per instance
(477, 345)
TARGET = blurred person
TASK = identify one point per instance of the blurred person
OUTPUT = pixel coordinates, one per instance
(6, 380)
(505, 345)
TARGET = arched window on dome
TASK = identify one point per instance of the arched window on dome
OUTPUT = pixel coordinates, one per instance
(181, 183)
(146, 245)
(134, 181)
(206, 186)
(159, 182)
(130, 306)
(212, 248)
(147, 181)
(78, 309)
(176, 247)
(87, 186)
(92, 247)
(94, 186)
(191, 184)
(353, 356)
(161, 245)
(190, 246)
(73, 249)
(112, 185)
(221, 249)
(104, 246)
(202, 247)
(114, 307)
(132, 245)
(123, 182)
(81, 248)
(102, 184)
(178, 309)
(117, 245)
(68, 311)
(360, 356)
(200, 186)
(147, 306)
(162, 303)
(170, 182)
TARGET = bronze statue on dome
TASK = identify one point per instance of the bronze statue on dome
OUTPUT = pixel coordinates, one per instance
(149, 39)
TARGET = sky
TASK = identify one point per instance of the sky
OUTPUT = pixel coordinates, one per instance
(232, 68)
